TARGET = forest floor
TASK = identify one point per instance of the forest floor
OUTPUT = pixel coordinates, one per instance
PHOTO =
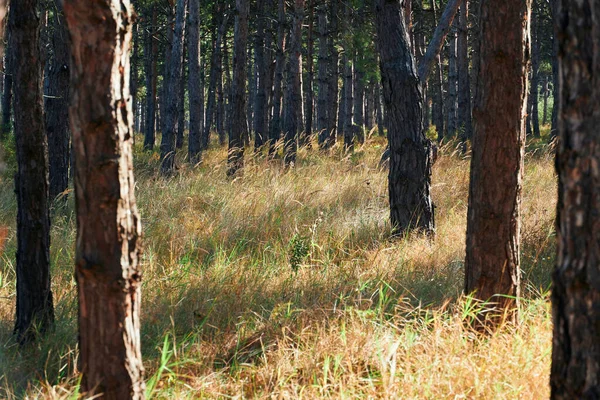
(286, 284)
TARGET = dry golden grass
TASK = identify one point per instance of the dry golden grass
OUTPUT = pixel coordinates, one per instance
(285, 284)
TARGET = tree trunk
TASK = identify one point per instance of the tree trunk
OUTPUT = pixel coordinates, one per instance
(133, 76)
(293, 99)
(535, 70)
(546, 90)
(437, 86)
(252, 82)
(575, 370)
(275, 128)
(151, 54)
(492, 265)
(239, 116)
(309, 99)
(452, 100)
(378, 110)
(359, 97)
(332, 95)
(464, 82)
(108, 224)
(181, 100)
(555, 71)
(194, 83)
(171, 114)
(8, 90)
(35, 310)
(57, 106)
(411, 207)
(260, 106)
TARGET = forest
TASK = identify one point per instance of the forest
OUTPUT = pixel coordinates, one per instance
(299, 199)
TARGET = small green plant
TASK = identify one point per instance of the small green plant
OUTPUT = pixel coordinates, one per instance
(298, 250)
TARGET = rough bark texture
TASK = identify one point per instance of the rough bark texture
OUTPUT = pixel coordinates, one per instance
(108, 224)
(57, 105)
(194, 82)
(35, 311)
(492, 265)
(576, 280)
(239, 116)
(438, 90)
(333, 75)
(464, 122)
(535, 71)
(411, 207)
(293, 98)
(151, 53)
(171, 114)
(322, 83)
(309, 92)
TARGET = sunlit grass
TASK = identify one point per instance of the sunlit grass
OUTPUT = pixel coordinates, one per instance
(284, 283)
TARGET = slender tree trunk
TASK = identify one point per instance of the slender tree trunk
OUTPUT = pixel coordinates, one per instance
(195, 88)
(275, 128)
(108, 224)
(167, 146)
(555, 71)
(451, 102)
(546, 90)
(35, 310)
(260, 106)
(492, 265)
(575, 372)
(8, 90)
(332, 97)
(464, 82)
(359, 98)
(309, 98)
(535, 70)
(438, 97)
(151, 54)
(224, 97)
(349, 132)
(57, 106)
(239, 117)
(181, 102)
(378, 110)
(252, 82)
(133, 76)
(293, 99)
(410, 161)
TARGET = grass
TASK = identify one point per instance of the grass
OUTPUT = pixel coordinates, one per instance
(285, 284)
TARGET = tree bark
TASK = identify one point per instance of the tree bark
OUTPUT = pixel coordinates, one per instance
(452, 99)
(464, 82)
(57, 106)
(293, 99)
(108, 224)
(437, 86)
(411, 207)
(181, 100)
(333, 125)
(492, 265)
(194, 83)
(35, 310)
(239, 116)
(171, 114)
(309, 98)
(275, 128)
(7, 94)
(575, 372)
(151, 54)
(535, 70)
(260, 106)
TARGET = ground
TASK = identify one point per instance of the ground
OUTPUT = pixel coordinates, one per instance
(286, 284)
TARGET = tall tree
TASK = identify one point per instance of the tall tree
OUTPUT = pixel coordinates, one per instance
(108, 224)
(492, 265)
(333, 125)
(451, 101)
(411, 207)
(293, 98)
(239, 117)
(194, 82)
(535, 70)
(8, 90)
(35, 311)
(576, 280)
(275, 128)
(464, 122)
(150, 56)
(260, 105)
(57, 105)
(309, 98)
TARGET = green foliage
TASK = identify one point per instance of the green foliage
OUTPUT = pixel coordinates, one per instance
(298, 250)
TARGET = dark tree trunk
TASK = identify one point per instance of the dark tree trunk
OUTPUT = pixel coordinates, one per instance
(151, 53)
(452, 100)
(322, 81)
(275, 128)
(57, 106)
(195, 88)
(181, 102)
(349, 132)
(260, 106)
(464, 82)
(535, 70)
(309, 98)
(546, 92)
(378, 110)
(132, 78)
(224, 96)
(108, 224)
(411, 207)
(576, 280)
(437, 87)
(293, 99)
(555, 71)
(171, 113)
(332, 95)
(239, 116)
(8, 90)
(252, 81)
(492, 265)
(35, 310)
(359, 98)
